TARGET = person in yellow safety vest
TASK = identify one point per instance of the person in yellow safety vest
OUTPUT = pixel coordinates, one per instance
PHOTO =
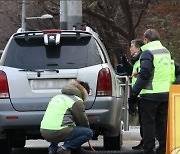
(131, 70)
(152, 86)
(65, 119)
(135, 50)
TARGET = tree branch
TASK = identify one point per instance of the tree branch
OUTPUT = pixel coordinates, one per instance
(107, 20)
(128, 16)
(141, 14)
(53, 10)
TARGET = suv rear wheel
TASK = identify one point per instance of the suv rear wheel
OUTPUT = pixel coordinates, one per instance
(17, 139)
(113, 143)
(20, 143)
(5, 146)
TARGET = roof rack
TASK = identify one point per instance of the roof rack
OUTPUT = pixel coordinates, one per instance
(62, 31)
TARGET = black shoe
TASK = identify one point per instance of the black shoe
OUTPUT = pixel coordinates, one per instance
(138, 147)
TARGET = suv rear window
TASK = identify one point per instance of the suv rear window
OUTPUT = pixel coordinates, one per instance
(71, 53)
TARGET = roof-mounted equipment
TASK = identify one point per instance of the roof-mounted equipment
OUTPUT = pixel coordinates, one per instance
(52, 37)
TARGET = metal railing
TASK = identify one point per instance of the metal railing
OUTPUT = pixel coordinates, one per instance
(126, 84)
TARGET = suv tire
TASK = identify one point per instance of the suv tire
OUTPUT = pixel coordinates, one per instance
(17, 139)
(5, 146)
(19, 143)
(113, 143)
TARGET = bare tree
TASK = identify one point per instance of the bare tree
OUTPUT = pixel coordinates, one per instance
(116, 22)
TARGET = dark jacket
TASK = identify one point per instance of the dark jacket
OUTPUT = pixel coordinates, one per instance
(146, 72)
(177, 73)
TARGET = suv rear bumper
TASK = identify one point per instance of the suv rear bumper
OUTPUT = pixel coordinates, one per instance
(107, 119)
(106, 115)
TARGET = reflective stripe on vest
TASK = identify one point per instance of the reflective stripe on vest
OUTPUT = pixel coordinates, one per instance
(160, 82)
(58, 112)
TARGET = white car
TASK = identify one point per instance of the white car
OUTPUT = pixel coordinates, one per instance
(35, 65)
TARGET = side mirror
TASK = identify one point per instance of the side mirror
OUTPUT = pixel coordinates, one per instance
(121, 69)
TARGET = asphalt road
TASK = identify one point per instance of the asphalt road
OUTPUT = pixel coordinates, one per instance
(130, 138)
(41, 147)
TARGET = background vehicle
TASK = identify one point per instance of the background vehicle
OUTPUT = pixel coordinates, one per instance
(35, 65)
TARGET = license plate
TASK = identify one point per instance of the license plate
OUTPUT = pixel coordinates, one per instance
(48, 83)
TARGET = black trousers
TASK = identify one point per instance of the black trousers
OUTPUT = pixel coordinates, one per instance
(139, 113)
(154, 123)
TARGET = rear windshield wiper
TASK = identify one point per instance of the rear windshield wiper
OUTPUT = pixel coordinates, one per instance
(28, 70)
(52, 64)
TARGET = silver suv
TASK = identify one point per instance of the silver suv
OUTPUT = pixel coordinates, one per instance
(35, 65)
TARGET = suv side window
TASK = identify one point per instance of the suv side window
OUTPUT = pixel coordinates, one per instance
(102, 54)
(71, 53)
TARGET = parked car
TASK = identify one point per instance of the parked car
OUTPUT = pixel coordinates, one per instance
(35, 65)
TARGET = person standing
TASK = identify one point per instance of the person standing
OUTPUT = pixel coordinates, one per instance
(135, 51)
(132, 70)
(65, 119)
(152, 85)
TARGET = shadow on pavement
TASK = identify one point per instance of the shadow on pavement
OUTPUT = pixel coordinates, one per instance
(45, 151)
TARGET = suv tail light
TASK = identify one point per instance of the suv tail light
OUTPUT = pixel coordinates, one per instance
(4, 90)
(104, 85)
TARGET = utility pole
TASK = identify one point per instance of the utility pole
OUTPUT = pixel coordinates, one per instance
(74, 13)
(23, 16)
(70, 14)
(63, 14)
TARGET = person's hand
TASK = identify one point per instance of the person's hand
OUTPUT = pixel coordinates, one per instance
(132, 105)
(134, 74)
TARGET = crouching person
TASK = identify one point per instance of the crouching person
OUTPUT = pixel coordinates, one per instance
(65, 119)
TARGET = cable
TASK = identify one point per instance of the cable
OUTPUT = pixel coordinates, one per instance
(90, 146)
